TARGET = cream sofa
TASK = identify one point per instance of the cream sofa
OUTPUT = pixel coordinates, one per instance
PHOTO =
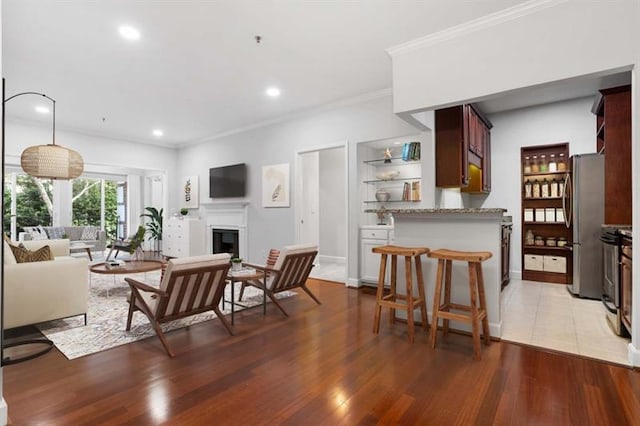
(42, 291)
(74, 234)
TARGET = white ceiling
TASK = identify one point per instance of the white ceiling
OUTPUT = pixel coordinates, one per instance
(197, 71)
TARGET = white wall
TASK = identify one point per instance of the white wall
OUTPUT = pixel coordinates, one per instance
(530, 44)
(333, 186)
(569, 121)
(101, 155)
(279, 143)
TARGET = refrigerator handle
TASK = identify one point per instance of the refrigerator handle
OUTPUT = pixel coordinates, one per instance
(567, 214)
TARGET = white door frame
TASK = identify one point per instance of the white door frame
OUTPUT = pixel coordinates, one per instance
(298, 192)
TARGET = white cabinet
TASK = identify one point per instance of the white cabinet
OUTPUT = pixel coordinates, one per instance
(183, 237)
(370, 237)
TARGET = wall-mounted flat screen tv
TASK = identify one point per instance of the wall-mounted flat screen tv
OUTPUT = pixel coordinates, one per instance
(228, 181)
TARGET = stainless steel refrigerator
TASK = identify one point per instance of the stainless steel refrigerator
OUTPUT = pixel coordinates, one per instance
(583, 204)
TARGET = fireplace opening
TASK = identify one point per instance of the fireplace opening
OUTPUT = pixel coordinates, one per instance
(226, 241)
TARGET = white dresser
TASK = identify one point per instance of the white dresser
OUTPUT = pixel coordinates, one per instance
(183, 237)
(372, 236)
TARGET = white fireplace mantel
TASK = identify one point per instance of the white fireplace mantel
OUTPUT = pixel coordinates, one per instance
(231, 215)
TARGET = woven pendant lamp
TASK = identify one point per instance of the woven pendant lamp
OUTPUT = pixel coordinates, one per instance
(50, 161)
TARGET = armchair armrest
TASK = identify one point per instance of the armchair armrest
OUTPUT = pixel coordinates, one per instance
(144, 287)
(263, 268)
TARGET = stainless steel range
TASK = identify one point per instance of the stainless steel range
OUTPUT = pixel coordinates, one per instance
(611, 239)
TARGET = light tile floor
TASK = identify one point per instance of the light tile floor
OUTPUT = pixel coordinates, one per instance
(547, 316)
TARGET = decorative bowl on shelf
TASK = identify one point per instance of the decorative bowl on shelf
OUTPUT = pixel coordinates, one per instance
(382, 195)
(388, 175)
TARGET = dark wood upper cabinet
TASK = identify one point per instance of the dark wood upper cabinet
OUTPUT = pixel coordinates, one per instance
(463, 149)
(613, 138)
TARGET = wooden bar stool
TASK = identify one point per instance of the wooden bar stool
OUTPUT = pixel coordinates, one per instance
(398, 301)
(476, 291)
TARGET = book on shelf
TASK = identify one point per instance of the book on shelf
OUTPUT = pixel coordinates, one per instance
(411, 151)
(415, 191)
(406, 192)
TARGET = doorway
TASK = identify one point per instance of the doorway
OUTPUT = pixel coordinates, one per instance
(321, 215)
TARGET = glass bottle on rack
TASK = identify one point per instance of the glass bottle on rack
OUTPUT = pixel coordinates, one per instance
(544, 189)
(553, 189)
(553, 166)
(561, 164)
(529, 238)
(527, 165)
(535, 190)
(534, 165)
(527, 189)
(542, 167)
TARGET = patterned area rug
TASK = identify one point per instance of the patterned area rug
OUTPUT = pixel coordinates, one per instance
(107, 317)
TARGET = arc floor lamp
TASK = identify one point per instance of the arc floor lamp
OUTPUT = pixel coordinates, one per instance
(48, 161)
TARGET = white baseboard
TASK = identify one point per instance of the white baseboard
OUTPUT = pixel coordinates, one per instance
(516, 275)
(353, 282)
(634, 355)
(3, 412)
(331, 259)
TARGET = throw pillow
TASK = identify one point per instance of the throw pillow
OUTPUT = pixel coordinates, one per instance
(24, 255)
(56, 232)
(43, 233)
(34, 233)
(89, 233)
(9, 258)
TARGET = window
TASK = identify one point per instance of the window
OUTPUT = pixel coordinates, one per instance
(95, 203)
(27, 202)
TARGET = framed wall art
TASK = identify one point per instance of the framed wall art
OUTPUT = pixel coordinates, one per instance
(190, 192)
(275, 185)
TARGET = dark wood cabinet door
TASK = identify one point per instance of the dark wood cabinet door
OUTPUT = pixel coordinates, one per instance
(486, 160)
(625, 302)
(462, 138)
(617, 154)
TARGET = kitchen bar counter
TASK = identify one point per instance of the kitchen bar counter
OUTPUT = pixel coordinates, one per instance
(443, 211)
(456, 229)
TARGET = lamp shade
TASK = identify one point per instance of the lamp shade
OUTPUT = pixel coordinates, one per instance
(52, 162)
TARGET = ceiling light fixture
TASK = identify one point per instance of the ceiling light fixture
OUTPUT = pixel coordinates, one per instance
(158, 132)
(50, 161)
(274, 92)
(42, 109)
(129, 33)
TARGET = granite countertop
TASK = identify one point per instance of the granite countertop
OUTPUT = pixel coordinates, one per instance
(441, 211)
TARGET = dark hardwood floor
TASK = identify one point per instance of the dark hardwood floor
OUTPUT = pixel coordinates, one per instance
(322, 365)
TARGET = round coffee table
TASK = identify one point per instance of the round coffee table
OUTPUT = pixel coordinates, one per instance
(128, 267)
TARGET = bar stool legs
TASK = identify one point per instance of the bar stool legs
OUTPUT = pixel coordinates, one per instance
(398, 301)
(477, 307)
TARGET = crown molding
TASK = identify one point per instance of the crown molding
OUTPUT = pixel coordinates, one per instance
(388, 92)
(487, 21)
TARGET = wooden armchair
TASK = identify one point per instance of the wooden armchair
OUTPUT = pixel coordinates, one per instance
(290, 271)
(191, 285)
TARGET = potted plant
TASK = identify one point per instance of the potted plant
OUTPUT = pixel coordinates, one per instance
(184, 211)
(236, 263)
(154, 226)
(135, 246)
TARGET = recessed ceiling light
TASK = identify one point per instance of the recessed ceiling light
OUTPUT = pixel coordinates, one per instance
(42, 109)
(397, 143)
(274, 92)
(129, 33)
(158, 132)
